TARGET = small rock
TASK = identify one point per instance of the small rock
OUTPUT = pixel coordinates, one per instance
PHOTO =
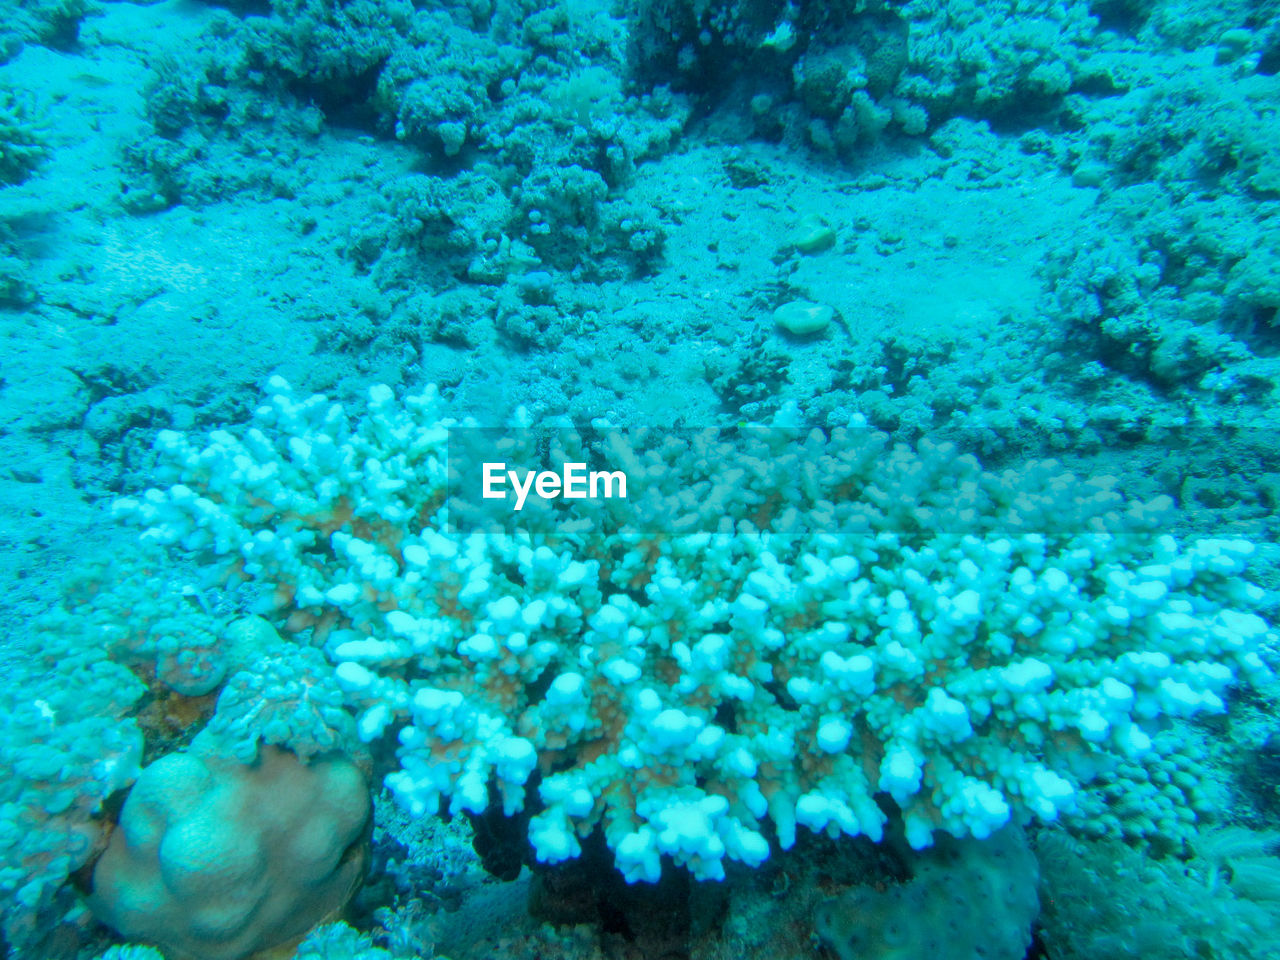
(1089, 174)
(1232, 45)
(814, 236)
(803, 317)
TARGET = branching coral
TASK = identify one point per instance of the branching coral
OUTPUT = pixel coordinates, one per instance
(972, 648)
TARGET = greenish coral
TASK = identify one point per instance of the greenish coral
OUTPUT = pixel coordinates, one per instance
(143, 618)
(16, 288)
(1177, 287)
(130, 951)
(67, 744)
(1104, 900)
(50, 23)
(1254, 279)
(1157, 805)
(1201, 129)
(989, 59)
(530, 101)
(337, 43)
(1189, 24)
(818, 74)
(217, 860)
(288, 697)
(220, 125)
(338, 941)
(22, 146)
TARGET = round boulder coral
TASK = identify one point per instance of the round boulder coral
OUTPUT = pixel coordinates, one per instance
(215, 860)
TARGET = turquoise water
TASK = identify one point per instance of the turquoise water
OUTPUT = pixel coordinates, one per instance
(862, 676)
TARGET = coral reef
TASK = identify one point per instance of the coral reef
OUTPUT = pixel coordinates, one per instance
(824, 692)
(986, 644)
(1103, 899)
(991, 59)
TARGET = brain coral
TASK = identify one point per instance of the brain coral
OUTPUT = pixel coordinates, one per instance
(966, 646)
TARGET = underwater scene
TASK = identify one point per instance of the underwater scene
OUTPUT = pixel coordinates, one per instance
(639, 479)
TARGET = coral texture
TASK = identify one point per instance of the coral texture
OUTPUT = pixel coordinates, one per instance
(984, 645)
(968, 899)
(976, 646)
(215, 859)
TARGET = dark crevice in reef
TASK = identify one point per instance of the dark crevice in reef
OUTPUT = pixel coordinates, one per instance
(1269, 60)
(246, 8)
(1120, 16)
(502, 842)
(345, 102)
(656, 916)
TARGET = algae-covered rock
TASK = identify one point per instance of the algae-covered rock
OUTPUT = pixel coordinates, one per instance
(968, 900)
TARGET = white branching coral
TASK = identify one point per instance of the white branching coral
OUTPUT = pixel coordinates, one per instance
(969, 647)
